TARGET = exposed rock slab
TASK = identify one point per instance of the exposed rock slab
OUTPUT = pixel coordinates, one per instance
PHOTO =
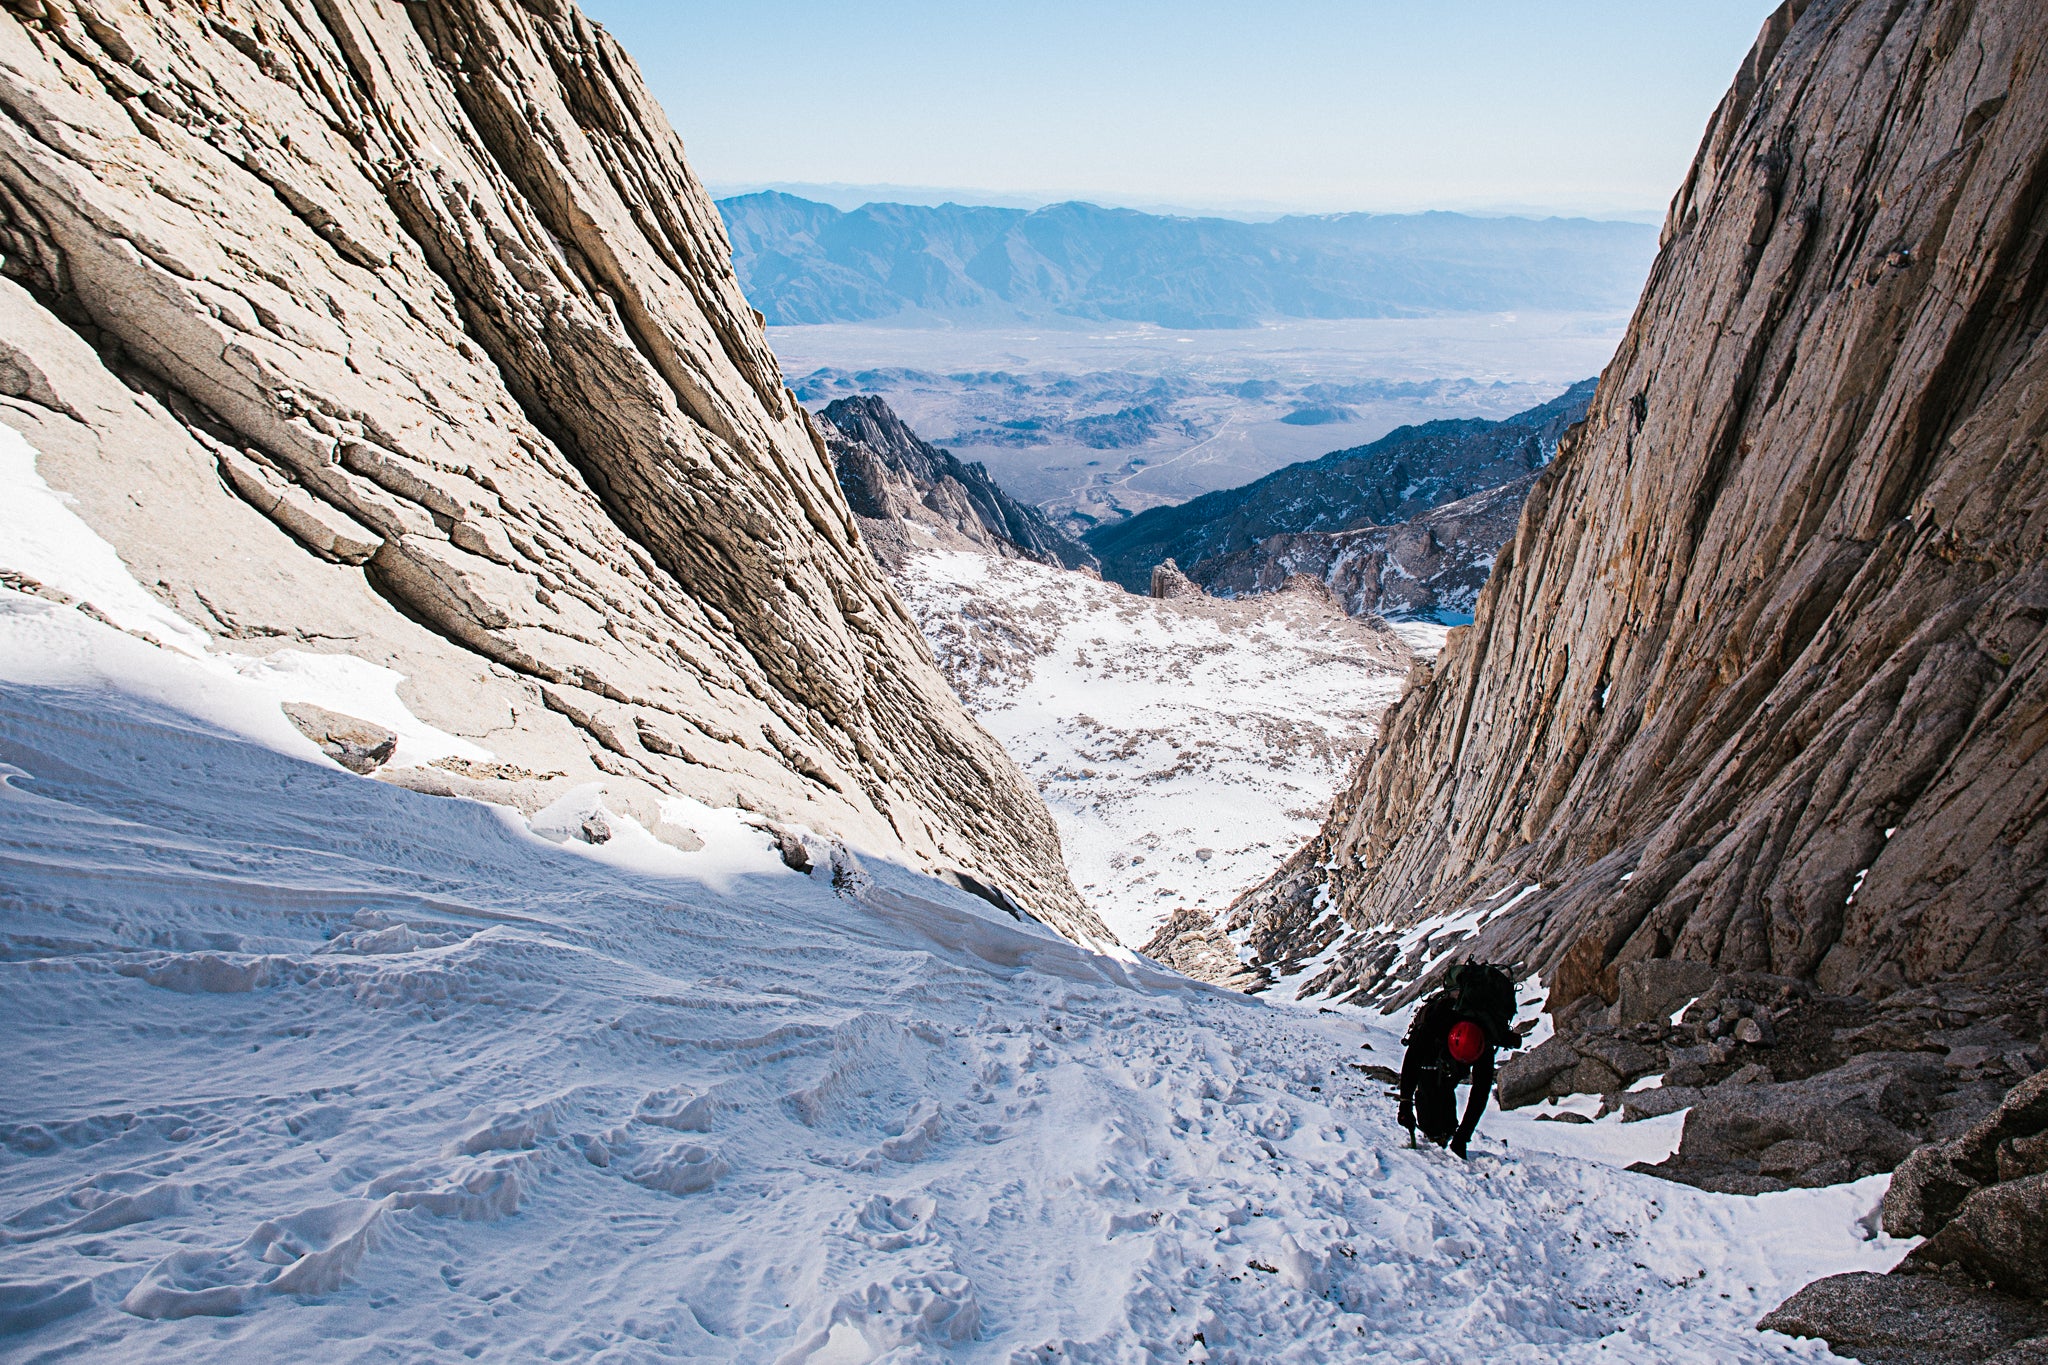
(1912, 1320)
(407, 330)
(1756, 682)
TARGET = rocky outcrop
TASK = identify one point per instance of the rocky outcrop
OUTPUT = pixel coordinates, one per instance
(894, 481)
(1981, 1201)
(1758, 682)
(1398, 477)
(358, 745)
(1918, 1320)
(1169, 583)
(1430, 567)
(1191, 944)
(407, 331)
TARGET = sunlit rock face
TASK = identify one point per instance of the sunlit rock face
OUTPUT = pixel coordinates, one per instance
(406, 330)
(1758, 681)
(895, 480)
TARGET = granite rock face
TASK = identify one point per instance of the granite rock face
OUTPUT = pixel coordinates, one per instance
(1917, 1320)
(1758, 682)
(407, 331)
(895, 480)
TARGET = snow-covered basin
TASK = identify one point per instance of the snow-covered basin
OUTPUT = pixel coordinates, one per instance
(1184, 750)
(305, 1066)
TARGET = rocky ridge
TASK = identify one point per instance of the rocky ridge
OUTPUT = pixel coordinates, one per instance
(408, 331)
(1398, 477)
(895, 480)
(1430, 567)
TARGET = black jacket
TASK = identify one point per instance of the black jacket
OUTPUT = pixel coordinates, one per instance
(1428, 1062)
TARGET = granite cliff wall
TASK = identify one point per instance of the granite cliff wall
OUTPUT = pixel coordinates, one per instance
(1758, 682)
(406, 330)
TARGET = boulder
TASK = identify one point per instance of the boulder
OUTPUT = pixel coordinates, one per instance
(2022, 1114)
(1999, 1235)
(1625, 1059)
(1654, 990)
(358, 745)
(1790, 1157)
(1528, 1078)
(1590, 1077)
(1925, 1193)
(1907, 1319)
(1852, 1121)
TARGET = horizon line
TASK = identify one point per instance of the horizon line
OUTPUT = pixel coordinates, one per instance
(841, 194)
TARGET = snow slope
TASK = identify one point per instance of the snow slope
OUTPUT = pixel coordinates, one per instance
(1156, 730)
(303, 1065)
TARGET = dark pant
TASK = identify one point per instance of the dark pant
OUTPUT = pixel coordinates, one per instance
(1436, 1109)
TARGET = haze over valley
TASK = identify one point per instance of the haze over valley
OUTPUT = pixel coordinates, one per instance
(1094, 423)
(1101, 362)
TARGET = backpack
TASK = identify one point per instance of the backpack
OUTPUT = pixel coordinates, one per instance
(1482, 991)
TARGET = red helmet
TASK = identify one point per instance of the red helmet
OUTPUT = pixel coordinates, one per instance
(1466, 1042)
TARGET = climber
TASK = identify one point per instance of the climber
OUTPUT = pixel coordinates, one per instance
(1452, 1041)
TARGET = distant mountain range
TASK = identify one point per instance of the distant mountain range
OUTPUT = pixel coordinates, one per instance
(805, 262)
(1404, 473)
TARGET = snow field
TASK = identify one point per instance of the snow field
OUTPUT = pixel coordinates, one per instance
(1156, 732)
(309, 1066)
(306, 1066)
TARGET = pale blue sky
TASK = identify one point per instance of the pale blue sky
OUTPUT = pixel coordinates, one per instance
(1592, 105)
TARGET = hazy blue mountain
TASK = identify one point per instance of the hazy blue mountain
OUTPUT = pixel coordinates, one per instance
(803, 262)
(1406, 472)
